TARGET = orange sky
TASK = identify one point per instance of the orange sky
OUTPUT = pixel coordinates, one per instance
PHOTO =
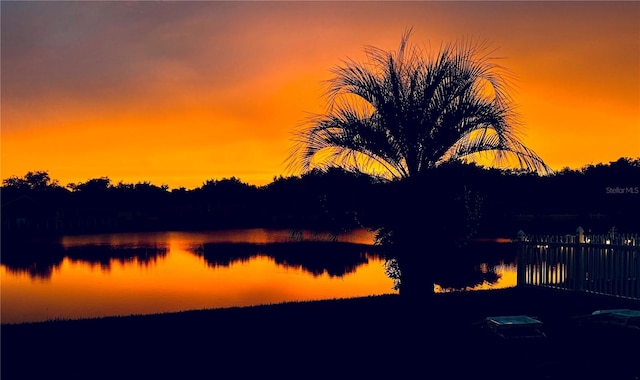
(177, 93)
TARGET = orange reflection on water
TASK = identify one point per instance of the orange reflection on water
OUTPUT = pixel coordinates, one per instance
(253, 236)
(178, 280)
(507, 278)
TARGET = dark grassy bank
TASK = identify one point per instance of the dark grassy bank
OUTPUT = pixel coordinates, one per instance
(373, 337)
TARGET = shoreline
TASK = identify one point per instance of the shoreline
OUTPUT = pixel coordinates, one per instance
(342, 338)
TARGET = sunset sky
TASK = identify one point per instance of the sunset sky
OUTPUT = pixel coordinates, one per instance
(177, 93)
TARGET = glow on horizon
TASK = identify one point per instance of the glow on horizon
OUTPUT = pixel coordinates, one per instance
(178, 93)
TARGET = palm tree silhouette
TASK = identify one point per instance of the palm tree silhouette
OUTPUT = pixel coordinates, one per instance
(399, 115)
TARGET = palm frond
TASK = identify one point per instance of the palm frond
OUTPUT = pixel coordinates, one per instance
(404, 112)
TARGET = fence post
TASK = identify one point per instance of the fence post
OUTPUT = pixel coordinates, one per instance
(579, 260)
(520, 275)
(637, 255)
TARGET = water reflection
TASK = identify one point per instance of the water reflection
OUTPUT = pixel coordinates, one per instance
(40, 261)
(476, 266)
(482, 277)
(142, 273)
(36, 261)
(124, 274)
(106, 256)
(335, 259)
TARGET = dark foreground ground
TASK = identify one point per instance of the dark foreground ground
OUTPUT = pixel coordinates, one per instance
(373, 337)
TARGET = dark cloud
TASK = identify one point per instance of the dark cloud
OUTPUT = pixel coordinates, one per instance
(104, 48)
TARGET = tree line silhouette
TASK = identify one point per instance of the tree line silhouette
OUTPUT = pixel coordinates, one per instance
(497, 202)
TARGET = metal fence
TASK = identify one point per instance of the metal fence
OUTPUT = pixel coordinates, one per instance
(604, 264)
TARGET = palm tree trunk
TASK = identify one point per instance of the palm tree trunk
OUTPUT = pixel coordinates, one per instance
(417, 270)
(415, 257)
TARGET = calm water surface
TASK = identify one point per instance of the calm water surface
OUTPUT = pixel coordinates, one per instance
(143, 273)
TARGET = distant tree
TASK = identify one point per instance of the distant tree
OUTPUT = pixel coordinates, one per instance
(125, 186)
(149, 187)
(227, 188)
(91, 186)
(228, 202)
(400, 115)
(619, 169)
(231, 182)
(37, 180)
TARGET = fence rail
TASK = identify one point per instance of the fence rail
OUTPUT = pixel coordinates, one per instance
(604, 264)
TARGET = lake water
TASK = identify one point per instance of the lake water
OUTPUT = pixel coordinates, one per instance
(142, 273)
